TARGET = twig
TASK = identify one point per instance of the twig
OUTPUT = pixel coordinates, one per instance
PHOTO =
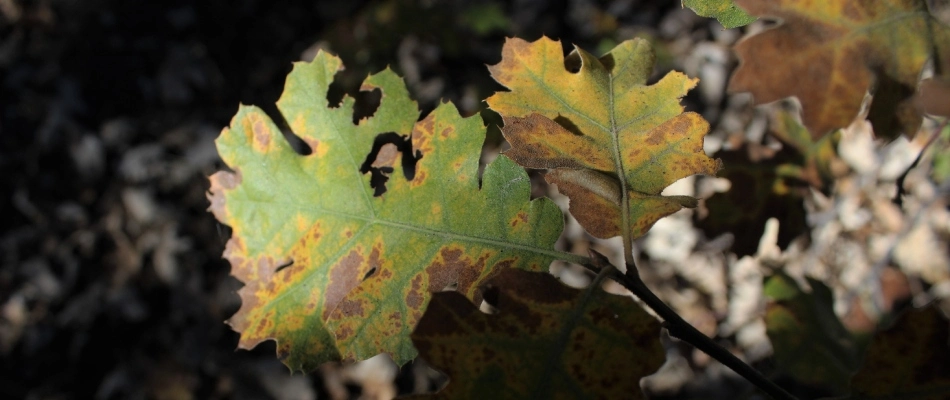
(899, 197)
(682, 330)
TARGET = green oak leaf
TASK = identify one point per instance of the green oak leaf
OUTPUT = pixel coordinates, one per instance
(333, 272)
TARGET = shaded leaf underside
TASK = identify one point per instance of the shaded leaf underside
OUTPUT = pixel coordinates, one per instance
(910, 360)
(547, 341)
(828, 53)
(795, 320)
(612, 142)
(317, 213)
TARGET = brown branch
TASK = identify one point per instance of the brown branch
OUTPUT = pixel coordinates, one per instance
(682, 330)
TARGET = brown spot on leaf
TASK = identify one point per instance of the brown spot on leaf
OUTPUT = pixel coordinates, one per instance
(261, 134)
(221, 182)
(414, 297)
(656, 137)
(446, 132)
(445, 270)
(311, 305)
(316, 147)
(350, 308)
(344, 276)
(520, 218)
(419, 179)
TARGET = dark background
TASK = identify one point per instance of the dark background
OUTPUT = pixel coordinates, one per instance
(111, 282)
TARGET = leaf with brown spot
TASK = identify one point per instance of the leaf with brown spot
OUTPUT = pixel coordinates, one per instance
(828, 53)
(547, 341)
(318, 214)
(612, 143)
(909, 360)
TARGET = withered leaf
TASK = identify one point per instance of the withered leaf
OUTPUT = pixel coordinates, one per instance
(829, 53)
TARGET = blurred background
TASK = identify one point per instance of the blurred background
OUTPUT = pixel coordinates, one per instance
(112, 284)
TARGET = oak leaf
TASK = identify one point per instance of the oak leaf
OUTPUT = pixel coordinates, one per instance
(546, 341)
(829, 53)
(332, 272)
(725, 11)
(612, 143)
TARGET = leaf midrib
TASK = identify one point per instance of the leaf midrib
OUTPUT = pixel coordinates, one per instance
(560, 343)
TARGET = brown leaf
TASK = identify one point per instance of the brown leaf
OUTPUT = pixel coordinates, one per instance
(829, 53)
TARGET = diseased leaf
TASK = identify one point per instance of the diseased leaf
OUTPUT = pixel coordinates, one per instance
(910, 360)
(810, 343)
(829, 53)
(726, 11)
(611, 141)
(307, 229)
(547, 341)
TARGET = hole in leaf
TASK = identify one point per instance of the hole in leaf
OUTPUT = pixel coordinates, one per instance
(369, 273)
(284, 266)
(573, 63)
(367, 102)
(335, 92)
(381, 160)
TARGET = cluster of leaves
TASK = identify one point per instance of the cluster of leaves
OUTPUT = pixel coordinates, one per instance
(333, 272)
(339, 264)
